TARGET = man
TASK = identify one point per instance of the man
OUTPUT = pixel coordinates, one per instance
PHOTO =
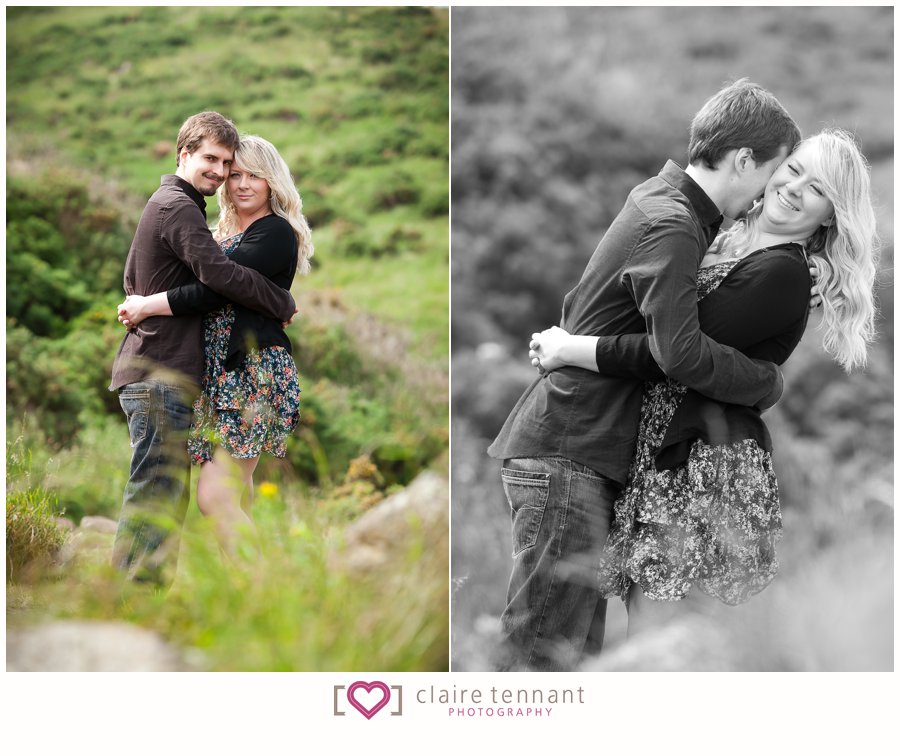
(569, 440)
(159, 365)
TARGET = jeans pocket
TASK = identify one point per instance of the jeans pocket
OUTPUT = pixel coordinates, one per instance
(135, 404)
(527, 494)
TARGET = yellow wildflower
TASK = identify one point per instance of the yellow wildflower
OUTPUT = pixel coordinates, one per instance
(267, 489)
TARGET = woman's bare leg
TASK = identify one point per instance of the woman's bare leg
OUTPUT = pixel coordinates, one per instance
(647, 614)
(221, 491)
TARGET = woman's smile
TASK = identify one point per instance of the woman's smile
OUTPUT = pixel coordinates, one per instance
(785, 203)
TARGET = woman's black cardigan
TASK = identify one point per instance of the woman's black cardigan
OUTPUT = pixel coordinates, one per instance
(760, 308)
(269, 246)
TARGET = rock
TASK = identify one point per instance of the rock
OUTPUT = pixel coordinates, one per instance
(82, 646)
(64, 523)
(98, 524)
(418, 513)
(86, 546)
(91, 542)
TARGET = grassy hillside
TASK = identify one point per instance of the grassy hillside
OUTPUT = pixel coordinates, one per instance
(356, 100)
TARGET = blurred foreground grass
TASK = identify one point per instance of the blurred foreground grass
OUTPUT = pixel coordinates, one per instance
(298, 606)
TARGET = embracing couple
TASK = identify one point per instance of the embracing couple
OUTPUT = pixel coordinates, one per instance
(637, 465)
(205, 373)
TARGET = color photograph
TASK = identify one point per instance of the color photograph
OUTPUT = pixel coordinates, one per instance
(227, 338)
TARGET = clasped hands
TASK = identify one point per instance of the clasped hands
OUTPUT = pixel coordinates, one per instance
(131, 312)
(544, 349)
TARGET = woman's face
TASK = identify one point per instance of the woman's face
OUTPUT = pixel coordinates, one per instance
(249, 193)
(794, 202)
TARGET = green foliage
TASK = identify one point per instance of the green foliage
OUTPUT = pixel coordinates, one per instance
(296, 606)
(337, 423)
(63, 382)
(32, 536)
(62, 244)
(31, 533)
(326, 350)
(89, 477)
(352, 241)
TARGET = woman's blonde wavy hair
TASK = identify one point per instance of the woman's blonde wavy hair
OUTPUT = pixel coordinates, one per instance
(844, 252)
(259, 157)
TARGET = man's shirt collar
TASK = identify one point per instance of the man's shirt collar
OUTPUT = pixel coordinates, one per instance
(172, 180)
(707, 211)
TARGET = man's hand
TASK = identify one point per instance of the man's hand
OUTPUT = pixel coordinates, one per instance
(815, 294)
(132, 311)
(545, 349)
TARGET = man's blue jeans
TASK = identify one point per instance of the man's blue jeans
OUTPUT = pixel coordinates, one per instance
(561, 513)
(158, 489)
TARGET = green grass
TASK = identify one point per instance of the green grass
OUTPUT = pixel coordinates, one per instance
(292, 608)
(297, 606)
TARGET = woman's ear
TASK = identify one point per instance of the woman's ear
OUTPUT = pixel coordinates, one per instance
(828, 222)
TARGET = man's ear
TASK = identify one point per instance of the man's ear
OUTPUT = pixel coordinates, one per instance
(744, 160)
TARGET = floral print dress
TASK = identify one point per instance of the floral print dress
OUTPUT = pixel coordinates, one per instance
(711, 523)
(251, 409)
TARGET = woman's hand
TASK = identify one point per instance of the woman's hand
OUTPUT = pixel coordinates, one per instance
(136, 308)
(286, 323)
(133, 310)
(546, 349)
(815, 294)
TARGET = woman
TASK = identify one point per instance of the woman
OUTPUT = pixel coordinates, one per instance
(249, 402)
(700, 508)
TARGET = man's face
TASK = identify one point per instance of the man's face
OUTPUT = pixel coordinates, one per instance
(751, 185)
(206, 167)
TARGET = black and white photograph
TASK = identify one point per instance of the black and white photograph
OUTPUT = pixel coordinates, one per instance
(672, 325)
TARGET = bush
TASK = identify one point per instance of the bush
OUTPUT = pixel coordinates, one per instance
(63, 247)
(62, 381)
(397, 188)
(323, 350)
(32, 536)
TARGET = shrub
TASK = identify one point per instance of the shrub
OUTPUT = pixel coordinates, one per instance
(396, 188)
(63, 247)
(323, 350)
(60, 381)
(32, 536)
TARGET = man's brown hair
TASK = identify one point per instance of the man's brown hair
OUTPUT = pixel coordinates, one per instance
(742, 114)
(207, 125)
